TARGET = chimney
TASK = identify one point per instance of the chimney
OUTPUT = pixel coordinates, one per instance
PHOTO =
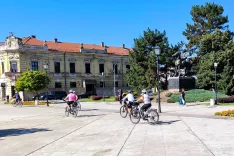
(102, 44)
(55, 40)
(123, 45)
(33, 36)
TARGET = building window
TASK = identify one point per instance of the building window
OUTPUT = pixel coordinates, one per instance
(128, 67)
(13, 66)
(58, 85)
(102, 84)
(57, 67)
(87, 68)
(72, 67)
(101, 68)
(115, 68)
(116, 84)
(3, 69)
(34, 65)
(72, 84)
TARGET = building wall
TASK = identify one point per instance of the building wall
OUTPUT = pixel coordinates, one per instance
(24, 59)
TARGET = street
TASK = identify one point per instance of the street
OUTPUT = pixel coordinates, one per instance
(100, 131)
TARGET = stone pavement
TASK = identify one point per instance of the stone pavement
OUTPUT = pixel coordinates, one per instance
(100, 131)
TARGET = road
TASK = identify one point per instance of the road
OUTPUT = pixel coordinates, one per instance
(100, 131)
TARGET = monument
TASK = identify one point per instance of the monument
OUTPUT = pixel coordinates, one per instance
(180, 76)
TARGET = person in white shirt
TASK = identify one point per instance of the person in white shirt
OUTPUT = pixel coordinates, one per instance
(146, 99)
(130, 99)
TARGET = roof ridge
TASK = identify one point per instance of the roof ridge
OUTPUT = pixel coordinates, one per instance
(28, 38)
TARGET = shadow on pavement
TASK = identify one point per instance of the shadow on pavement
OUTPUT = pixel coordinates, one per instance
(20, 131)
(88, 110)
(90, 115)
(166, 122)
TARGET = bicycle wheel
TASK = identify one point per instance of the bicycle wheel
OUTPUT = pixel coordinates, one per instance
(153, 117)
(20, 104)
(135, 116)
(66, 111)
(78, 105)
(75, 112)
(123, 112)
(14, 104)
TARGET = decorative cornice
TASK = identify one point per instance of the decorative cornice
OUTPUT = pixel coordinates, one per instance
(87, 60)
(57, 59)
(13, 57)
(101, 60)
(35, 57)
(72, 59)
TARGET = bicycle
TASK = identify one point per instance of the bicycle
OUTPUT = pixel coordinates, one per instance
(78, 105)
(123, 111)
(19, 103)
(151, 115)
(74, 110)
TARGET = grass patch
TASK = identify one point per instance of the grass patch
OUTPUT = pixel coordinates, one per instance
(110, 99)
(196, 95)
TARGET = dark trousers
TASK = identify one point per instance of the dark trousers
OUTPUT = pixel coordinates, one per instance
(145, 107)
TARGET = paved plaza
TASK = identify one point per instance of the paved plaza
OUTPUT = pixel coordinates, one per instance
(100, 131)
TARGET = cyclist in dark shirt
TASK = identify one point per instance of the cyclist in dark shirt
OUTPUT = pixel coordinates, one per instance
(17, 97)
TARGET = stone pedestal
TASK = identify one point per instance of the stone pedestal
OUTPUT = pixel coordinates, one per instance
(177, 83)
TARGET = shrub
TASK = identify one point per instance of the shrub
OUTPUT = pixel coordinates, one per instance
(169, 94)
(96, 97)
(106, 97)
(225, 99)
(225, 113)
(231, 115)
(195, 95)
(217, 113)
(171, 101)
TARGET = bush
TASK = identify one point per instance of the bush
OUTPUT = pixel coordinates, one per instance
(169, 94)
(96, 97)
(195, 95)
(225, 99)
(229, 113)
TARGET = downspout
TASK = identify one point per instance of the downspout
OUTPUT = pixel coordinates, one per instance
(65, 72)
(122, 71)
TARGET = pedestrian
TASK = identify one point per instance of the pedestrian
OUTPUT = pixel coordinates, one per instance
(183, 97)
(120, 95)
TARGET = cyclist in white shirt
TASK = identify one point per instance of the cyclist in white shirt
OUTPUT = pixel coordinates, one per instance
(146, 99)
(130, 99)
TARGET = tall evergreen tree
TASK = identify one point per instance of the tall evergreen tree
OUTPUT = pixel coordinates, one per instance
(206, 18)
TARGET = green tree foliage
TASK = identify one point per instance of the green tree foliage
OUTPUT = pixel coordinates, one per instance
(142, 73)
(32, 81)
(217, 47)
(206, 18)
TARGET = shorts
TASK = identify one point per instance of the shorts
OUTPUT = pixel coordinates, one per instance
(130, 104)
(70, 102)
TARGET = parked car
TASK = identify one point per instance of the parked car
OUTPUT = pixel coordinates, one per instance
(38, 96)
(55, 95)
(86, 94)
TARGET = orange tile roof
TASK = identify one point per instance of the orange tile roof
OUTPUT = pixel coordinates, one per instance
(74, 47)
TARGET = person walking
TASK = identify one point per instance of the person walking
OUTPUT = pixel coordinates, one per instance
(120, 95)
(183, 97)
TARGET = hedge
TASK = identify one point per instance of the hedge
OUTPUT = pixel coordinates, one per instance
(226, 99)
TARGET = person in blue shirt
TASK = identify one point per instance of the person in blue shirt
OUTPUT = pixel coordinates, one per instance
(17, 97)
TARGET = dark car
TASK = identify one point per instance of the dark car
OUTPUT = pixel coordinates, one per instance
(38, 96)
(55, 95)
(86, 94)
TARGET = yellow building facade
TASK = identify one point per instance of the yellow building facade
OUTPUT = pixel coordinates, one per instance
(71, 65)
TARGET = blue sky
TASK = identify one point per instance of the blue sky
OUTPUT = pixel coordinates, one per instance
(94, 21)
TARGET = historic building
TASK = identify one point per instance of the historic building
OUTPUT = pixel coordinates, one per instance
(71, 65)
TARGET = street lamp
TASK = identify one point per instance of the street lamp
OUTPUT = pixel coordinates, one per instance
(114, 79)
(45, 66)
(215, 66)
(103, 86)
(157, 51)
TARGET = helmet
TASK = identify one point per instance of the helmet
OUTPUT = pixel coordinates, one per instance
(143, 91)
(74, 91)
(70, 91)
(129, 91)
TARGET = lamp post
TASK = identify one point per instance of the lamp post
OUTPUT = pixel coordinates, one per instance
(157, 53)
(114, 79)
(45, 66)
(103, 86)
(215, 66)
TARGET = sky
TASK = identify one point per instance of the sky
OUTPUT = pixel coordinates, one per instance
(95, 21)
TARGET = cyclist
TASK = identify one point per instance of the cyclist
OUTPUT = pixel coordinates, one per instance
(146, 99)
(71, 97)
(130, 99)
(17, 97)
